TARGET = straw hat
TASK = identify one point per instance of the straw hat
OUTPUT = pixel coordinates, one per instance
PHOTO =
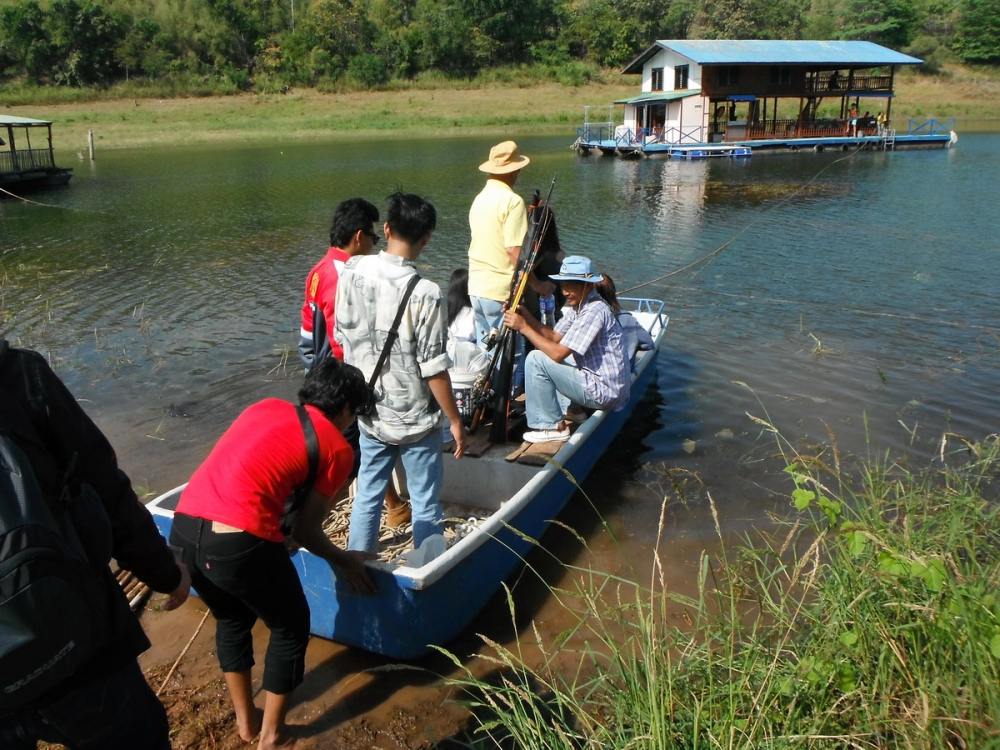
(504, 159)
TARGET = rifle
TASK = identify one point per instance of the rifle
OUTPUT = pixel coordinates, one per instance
(494, 382)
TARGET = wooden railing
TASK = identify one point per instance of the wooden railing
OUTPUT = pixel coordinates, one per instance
(25, 161)
(843, 83)
(814, 129)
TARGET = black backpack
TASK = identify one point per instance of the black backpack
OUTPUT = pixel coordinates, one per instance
(53, 594)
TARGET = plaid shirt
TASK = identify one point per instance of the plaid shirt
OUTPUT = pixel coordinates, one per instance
(595, 338)
(368, 295)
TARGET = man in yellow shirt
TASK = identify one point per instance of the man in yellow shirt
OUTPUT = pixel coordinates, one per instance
(498, 222)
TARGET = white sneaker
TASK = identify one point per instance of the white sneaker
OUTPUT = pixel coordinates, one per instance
(547, 436)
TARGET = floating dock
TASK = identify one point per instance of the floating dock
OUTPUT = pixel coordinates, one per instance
(628, 147)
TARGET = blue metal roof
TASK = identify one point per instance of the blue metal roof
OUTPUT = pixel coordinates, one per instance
(776, 52)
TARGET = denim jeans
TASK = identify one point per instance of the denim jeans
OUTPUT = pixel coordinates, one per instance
(489, 315)
(424, 475)
(116, 711)
(550, 387)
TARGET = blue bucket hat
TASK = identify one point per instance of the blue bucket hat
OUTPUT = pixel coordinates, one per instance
(577, 268)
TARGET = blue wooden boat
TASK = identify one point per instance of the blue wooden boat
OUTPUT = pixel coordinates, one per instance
(416, 607)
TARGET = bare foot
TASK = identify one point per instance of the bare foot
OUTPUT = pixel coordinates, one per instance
(249, 732)
(278, 742)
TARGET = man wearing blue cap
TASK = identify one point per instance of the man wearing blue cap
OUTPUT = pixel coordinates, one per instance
(599, 375)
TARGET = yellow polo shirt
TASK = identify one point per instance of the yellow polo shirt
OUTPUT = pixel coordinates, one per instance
(497, 220)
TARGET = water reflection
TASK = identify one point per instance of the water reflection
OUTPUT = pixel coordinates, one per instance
(858, 294)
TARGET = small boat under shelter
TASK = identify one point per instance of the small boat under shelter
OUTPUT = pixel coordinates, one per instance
(24, 166)
(507, 495)
(703, 98)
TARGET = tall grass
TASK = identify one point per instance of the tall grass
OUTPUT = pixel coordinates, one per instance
(871, 620)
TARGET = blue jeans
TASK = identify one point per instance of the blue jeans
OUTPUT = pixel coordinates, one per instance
(424, 475)
(489, 315)
(550, 387)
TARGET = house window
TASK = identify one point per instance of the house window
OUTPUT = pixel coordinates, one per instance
(781, 75)
(680, 77)
(657, 79)
(727, 75)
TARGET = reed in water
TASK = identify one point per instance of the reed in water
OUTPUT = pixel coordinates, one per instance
(868, 619)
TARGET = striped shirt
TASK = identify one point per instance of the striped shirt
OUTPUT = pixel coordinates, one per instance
(595, 337)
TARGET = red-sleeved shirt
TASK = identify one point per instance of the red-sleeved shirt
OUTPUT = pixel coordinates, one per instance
(258, 462)
(321, 292)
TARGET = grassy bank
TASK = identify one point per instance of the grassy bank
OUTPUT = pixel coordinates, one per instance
(871, 619)
(508, 102)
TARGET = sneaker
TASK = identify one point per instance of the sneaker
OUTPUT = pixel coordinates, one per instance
(547, 436)
(396, 517)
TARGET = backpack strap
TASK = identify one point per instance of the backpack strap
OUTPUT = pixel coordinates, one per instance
(393, 334)
(298, 497)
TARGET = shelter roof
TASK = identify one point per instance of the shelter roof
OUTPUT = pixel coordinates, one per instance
(776, 52)
(12, 120)
(658, 96)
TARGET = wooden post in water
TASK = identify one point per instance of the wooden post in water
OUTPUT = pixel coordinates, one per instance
(90, 144)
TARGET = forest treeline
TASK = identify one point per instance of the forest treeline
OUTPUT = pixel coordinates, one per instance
(273, 44)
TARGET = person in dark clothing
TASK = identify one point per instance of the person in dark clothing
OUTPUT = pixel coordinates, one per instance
(106, 704)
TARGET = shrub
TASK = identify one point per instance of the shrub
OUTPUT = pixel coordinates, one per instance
(368, 70)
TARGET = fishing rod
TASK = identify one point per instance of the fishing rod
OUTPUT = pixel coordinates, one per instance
(492, 384)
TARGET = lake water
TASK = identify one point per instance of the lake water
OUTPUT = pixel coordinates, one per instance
(856, 304)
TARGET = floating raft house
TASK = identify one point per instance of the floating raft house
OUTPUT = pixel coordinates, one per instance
(701, 98)
(22, 165)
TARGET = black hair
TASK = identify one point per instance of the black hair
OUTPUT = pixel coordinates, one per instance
(410, 217)
(606, 288)
(332, 385)
(458, 293)
(348, 217)
(550, 240)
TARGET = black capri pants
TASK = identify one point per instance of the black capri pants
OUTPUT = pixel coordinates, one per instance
(242, 577)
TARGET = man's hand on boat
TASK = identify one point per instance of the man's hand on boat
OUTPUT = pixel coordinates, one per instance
(351, 567)
(458, 435)
(308, 531)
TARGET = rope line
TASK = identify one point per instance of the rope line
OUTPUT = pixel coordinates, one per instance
(48, 205)
(28, 200)
(743, 230)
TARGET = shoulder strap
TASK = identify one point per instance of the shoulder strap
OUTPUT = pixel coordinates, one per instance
(393, 334)
(298, 497)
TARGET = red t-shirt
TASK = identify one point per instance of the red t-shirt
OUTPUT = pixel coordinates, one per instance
(258, 462)
(321, 292)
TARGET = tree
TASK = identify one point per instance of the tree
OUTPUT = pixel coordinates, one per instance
(978, 36)
(24, 41)
(513, 26)
(446, 40)
(748, 19)
(85, 38)
(888, 22)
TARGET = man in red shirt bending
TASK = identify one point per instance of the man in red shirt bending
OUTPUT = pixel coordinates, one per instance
(352, 232)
